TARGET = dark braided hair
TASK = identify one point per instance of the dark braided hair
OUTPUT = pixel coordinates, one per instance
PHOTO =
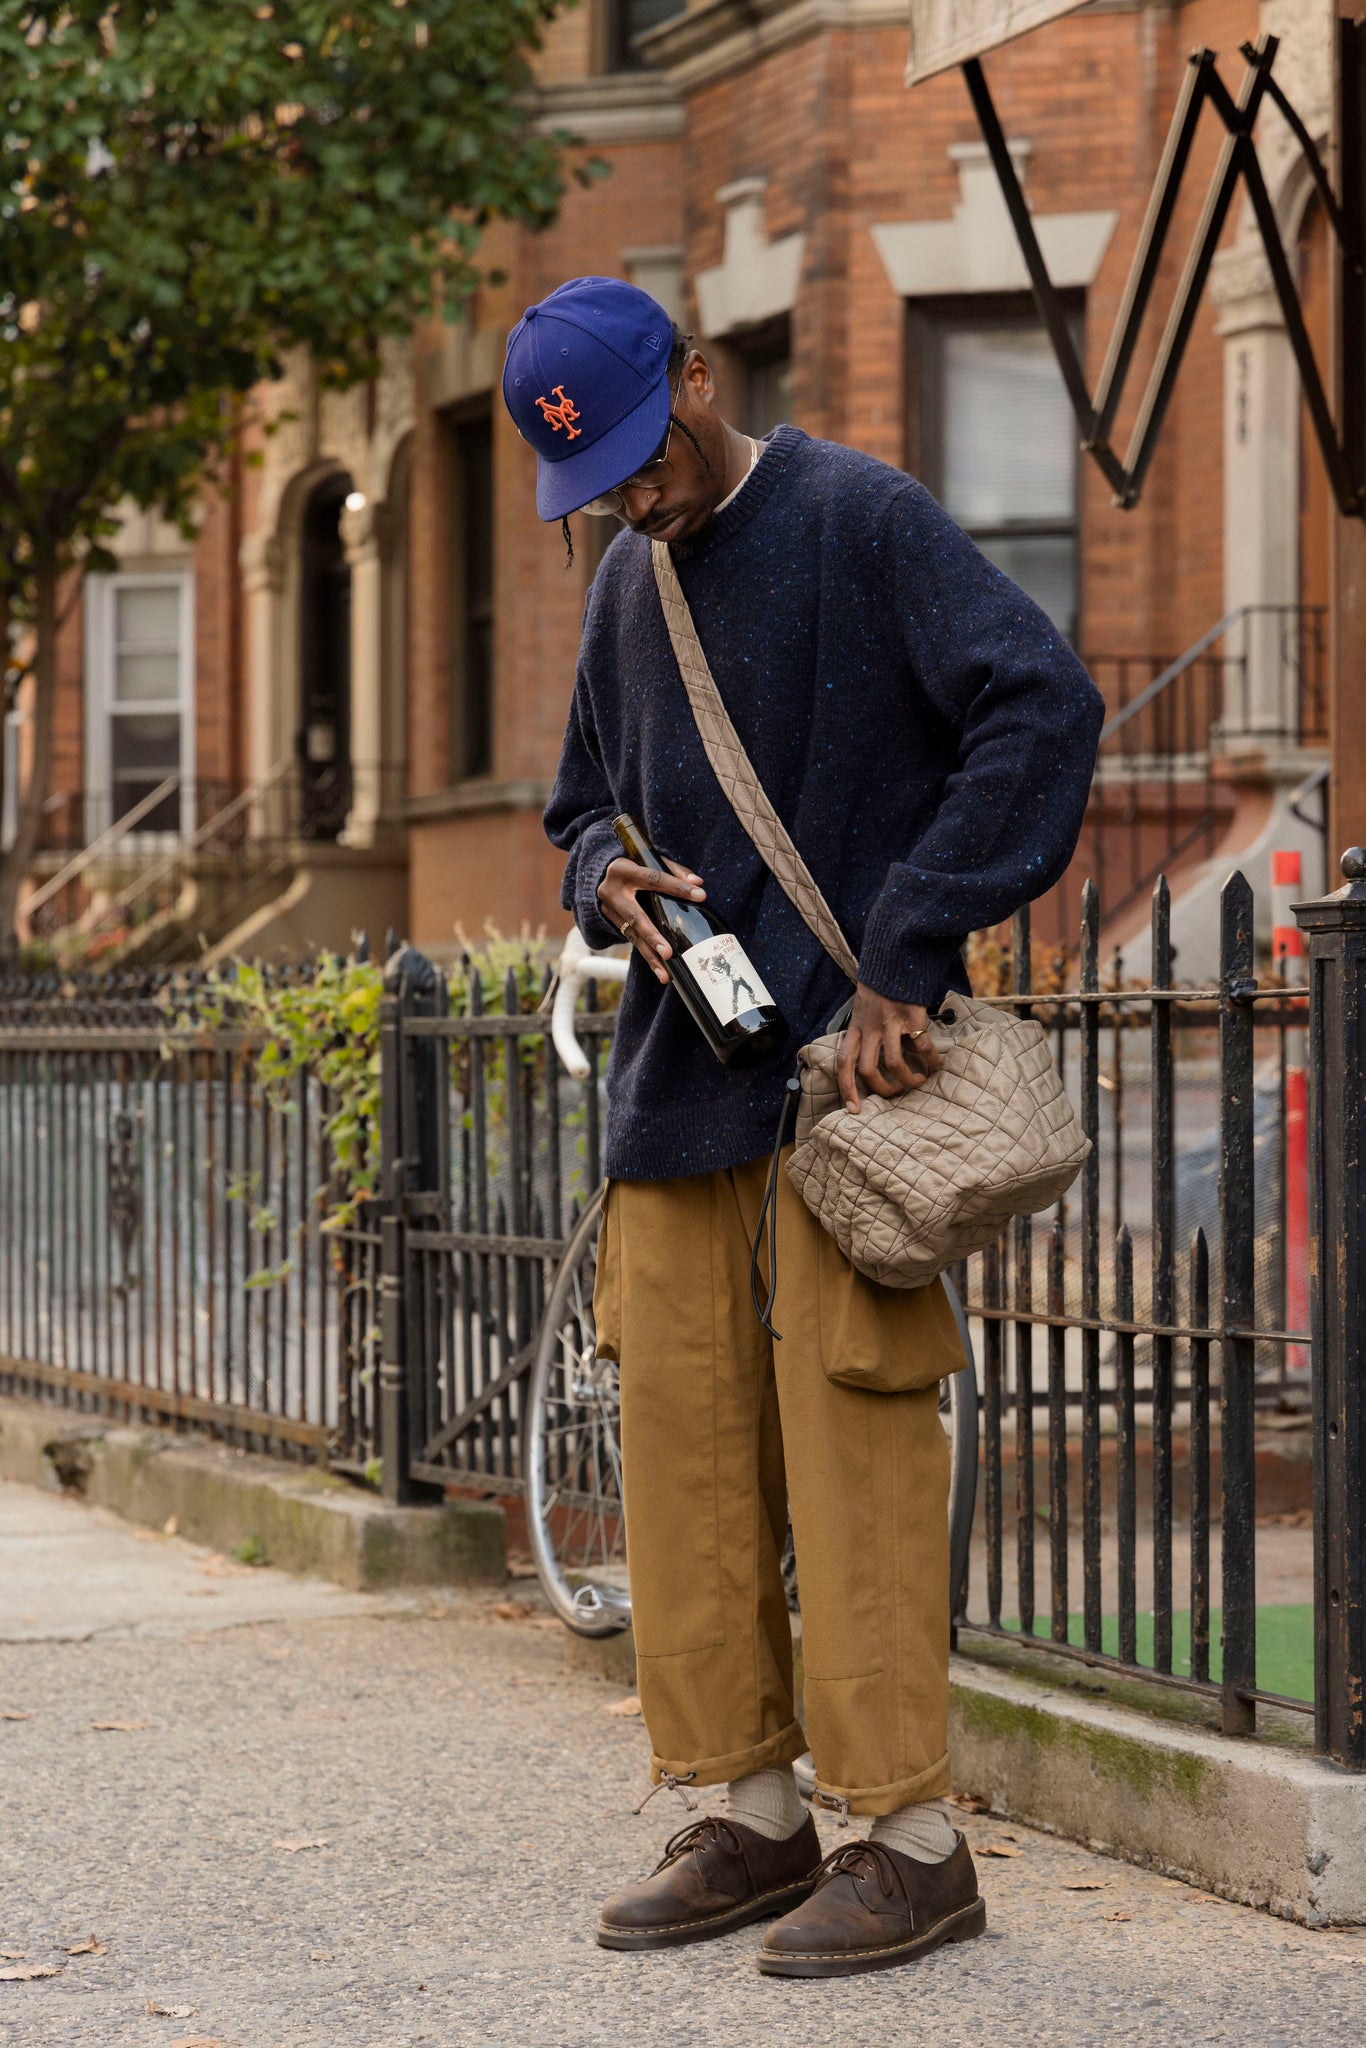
(679, 351)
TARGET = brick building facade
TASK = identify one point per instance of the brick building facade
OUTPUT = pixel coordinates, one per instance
(379, 620)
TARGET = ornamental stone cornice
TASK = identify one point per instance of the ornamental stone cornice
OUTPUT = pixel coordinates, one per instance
(627, 106)
(723, 36)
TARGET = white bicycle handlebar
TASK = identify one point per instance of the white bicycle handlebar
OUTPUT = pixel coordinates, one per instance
(577, 964)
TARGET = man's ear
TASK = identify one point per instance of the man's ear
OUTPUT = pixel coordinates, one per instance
(698, 377)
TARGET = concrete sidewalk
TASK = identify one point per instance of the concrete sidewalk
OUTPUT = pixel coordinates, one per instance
(352, 1822)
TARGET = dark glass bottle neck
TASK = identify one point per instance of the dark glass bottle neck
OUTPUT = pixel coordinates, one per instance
(636, 845)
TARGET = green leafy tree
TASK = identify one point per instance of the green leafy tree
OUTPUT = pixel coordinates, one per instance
(190, 188)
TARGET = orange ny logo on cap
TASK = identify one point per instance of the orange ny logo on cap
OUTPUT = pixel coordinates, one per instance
(562, 414)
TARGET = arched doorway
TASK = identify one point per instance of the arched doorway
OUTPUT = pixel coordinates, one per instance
(324, 735)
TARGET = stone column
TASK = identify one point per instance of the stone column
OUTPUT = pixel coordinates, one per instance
(1261, 494)
(367, 531)
(262, 559)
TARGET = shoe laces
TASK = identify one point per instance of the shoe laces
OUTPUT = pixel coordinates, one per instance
(699, 1834)
(861, 1859)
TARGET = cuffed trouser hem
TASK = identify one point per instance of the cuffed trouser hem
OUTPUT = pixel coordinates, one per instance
(935, 1783)
(783, 1748)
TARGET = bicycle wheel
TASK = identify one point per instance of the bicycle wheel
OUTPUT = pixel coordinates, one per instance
(572, 1461)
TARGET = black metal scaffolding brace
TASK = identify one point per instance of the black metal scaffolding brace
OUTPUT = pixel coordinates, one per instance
(1342, 442)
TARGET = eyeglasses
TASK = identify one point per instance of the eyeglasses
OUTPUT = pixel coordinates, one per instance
(649, 477)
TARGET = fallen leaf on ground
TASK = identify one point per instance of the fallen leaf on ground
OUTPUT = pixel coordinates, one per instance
(170, 1525)
(91, 1947)
(13, 1955)
(119, 1727)
(216, 1566)
(509, 1610)
(23, 1973)
(146, 1536)
(1116, 1916)
(170, 2012)
(318, 1955)
(969, 1802)
(197, 2041)
(624, 1710)
(545, 1621)
(13, 1714)
(292, 1845)
(999, 1849)
(1087, 1884)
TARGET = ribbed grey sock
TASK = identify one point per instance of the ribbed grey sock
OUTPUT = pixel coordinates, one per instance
(767, 1801)
(924, 1831)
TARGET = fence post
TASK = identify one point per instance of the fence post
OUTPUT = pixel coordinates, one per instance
(412, 1123)
(1336, 928)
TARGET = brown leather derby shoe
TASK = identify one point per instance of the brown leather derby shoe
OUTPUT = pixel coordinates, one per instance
(714, 1875)
(872, 1908)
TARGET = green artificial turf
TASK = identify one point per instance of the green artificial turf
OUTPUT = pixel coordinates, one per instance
(1285, 1645)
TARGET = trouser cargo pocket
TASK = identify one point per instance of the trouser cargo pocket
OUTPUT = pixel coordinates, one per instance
(886, 1340)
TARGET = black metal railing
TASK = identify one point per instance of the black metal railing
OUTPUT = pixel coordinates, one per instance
(495, 1150)
(163, 1252)
(1168, 1298)
(1163, 1359)
(159, 873)
(1162, 794)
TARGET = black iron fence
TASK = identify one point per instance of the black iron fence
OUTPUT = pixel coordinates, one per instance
(164, 1252)
(1131, 1339)
(1195, 1296)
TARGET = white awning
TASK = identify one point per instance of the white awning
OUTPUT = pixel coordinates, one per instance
(947, 32)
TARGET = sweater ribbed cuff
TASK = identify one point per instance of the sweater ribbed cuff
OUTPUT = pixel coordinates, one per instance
(907, 970)
(595, 852)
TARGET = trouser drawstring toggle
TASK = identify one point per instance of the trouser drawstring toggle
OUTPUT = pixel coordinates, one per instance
(670, 1783)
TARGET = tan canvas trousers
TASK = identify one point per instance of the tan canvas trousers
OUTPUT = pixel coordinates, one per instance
(722, 1430)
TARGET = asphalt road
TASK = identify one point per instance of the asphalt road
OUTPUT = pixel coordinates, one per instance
(353, 1823)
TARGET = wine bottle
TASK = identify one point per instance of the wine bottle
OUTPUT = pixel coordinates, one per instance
(708, 966)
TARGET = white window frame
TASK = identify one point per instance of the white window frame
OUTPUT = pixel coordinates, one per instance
(101, 703)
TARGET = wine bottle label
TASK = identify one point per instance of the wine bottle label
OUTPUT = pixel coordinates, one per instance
(725, 976)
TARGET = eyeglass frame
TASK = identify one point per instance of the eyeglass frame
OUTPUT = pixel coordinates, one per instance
(608, 504)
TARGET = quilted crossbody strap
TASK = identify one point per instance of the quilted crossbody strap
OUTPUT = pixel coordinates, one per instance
(735, 771)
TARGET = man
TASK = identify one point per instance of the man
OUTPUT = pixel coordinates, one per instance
(927, 737)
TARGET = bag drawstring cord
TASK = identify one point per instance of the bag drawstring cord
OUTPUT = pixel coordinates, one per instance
(768, 1211)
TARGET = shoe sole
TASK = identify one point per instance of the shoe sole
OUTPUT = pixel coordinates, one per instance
(963, 1925)
(766, 1908)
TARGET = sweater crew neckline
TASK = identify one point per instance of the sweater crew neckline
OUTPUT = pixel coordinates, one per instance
(758, 487)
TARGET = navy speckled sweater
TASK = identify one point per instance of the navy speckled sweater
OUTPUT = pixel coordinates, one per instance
(924, 732)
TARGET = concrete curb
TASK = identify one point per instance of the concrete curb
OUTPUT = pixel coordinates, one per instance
(1251, 1821)
(297, 1517)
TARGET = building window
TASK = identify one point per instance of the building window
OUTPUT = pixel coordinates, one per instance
(765, 358)
(139, 700)
(471, 641)
(993, 436)
(627, 19)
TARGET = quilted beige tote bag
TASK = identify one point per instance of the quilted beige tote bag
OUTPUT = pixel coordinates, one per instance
(913, 1183)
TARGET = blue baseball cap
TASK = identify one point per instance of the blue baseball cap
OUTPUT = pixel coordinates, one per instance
(587, 383)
